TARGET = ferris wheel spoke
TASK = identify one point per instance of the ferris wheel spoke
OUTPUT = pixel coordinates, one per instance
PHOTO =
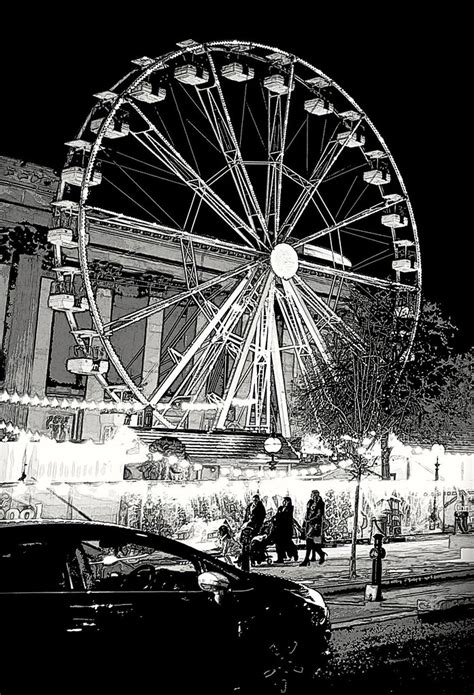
(280, 387)
(300, 345)
(330, 154)
(305, 314)
(258, 411)
(330, 318)
(118, 324)
(121, 371)
(367, 212)
(241, 358)
(210, 328)
(167, 154)
(277, 128)
(215, 344)
(140, 188)
(195, 379)
(221, 123)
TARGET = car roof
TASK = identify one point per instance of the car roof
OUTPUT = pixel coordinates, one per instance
(71, 528)
(6, 523)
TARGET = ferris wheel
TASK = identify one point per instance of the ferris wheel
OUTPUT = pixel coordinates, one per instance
(247, 193)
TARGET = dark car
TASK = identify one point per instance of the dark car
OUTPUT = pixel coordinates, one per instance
(98, 608)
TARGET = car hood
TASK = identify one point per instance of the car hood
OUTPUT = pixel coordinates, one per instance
(269, 581)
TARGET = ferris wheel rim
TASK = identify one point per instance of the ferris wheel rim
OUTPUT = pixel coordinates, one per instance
(119, 101)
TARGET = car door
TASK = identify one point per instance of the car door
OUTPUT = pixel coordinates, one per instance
(140, 608)
(35, 609)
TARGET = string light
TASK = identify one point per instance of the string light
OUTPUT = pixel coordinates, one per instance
(69, 404)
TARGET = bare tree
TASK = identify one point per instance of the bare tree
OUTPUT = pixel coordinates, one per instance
(349, 402)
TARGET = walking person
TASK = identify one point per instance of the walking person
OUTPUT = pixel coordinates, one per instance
(313, 529)
(246, 535)
(282, 532)
(255, 513)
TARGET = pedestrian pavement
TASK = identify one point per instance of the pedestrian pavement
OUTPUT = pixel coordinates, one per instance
(411, 571)
(406, 563)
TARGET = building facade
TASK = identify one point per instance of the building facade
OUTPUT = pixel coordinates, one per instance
(130, 268)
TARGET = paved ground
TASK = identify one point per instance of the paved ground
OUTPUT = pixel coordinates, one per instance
(411, 571)
(351, 608)
(409, 559)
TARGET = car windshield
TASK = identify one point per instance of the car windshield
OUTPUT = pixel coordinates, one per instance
(107, 560)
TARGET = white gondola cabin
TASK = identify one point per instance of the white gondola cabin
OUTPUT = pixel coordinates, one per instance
(405, 265)
(403, 243)
(191, 74)
(318, 106)
(394, 220)
(75, 175)
(277, 83)
(65, 237)
(377, 177)
(350, 138)
(237, 72)
(87, 366)
(62, 236)
(89, 358)
(146, 93)
(67, 301)
(115, 129)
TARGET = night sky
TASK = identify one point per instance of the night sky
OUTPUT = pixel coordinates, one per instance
(409, 74)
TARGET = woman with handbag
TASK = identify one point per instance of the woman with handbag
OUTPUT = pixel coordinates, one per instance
(313, 528)
(282, 532)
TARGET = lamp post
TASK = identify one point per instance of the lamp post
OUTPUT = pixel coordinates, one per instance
(437, 450)
(272, 446)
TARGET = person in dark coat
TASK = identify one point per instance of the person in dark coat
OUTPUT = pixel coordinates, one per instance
(246, 535)
(282, 531)
(313, 529)
(255, 513)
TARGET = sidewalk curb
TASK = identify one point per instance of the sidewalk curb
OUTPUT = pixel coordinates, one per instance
(427, 609)
(360, 622)
(395, 582)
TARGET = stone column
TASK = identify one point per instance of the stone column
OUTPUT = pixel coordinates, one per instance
(4, 281)
(43, 341)
(152, 352)
(21, 343)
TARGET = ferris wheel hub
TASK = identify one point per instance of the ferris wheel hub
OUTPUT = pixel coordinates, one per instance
(284, 261)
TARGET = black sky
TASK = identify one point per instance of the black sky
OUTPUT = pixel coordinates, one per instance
(409, 73)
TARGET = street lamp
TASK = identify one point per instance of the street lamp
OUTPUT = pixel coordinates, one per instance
(272, 446)
(437, 450)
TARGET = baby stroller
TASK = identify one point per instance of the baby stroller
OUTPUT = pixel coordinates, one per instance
(258, 550)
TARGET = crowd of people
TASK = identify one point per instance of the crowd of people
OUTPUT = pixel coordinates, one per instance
(280, 529)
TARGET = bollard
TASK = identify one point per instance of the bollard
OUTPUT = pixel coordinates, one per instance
(373, 591)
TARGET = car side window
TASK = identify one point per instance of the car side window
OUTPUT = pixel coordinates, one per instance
(117, 566)
(31, 566)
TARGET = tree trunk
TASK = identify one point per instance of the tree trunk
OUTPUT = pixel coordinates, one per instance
(353, 560)
(385, 452)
